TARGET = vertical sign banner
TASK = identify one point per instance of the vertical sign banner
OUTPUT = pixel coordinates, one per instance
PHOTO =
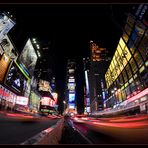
(6, 23)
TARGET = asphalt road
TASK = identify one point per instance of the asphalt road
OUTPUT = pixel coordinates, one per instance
(119, 130)
(15, 129)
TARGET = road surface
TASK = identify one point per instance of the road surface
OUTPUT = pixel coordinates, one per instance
(17, 128)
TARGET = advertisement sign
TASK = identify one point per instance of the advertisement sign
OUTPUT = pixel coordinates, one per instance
(8, 48)
(34, 100)
(71, 97)
(71, 80)
(28, 57)
(6, 23)
(21, 100)
(71, 86)
(55, 96)
(4, 63)
(15, 79)
(45, 101)
(44, 86)
(71, 71)
(71, 106)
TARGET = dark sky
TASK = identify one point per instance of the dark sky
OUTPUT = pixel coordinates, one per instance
(69, 28)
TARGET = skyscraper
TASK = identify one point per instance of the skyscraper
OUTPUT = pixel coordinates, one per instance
(95, 72)
(71, 86)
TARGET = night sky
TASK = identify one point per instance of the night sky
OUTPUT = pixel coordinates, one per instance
(69, 28)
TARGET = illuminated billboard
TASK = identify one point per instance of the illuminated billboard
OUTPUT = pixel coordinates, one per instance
(47, 101)
(7, 47)
(6, 23)
(71, 106)
(71, 86)
(55, 96)
(21, 100)
(15, 79)
(44, 86)
(28, 57)
(71, 97)
(71, 80)
(4, 63)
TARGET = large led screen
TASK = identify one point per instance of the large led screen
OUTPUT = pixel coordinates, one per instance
(71, 97)
(6, 23)
(71, 106)
(28, 57)
(15, 79)
(21, 100)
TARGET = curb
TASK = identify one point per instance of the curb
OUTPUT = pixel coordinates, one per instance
(49, 136)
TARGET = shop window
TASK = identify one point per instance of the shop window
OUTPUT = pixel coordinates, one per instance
(133, 65)
(138, 59)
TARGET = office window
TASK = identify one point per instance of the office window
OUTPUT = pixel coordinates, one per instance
(124, 75)
(128, 29)
(144, 77)
(138, 59)
(121, 80)
(125, 37)
(130, 20)
(133, 65)
(143, 47)
(127, 53)
(128, 70)
(143, 51)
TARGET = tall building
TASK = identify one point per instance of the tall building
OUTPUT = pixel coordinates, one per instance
(70, 92)
(95, 69)
(127, 75)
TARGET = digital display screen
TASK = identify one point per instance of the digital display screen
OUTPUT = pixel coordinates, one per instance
(15, 79)
(71, 105)
(21, 100)
(71, 97)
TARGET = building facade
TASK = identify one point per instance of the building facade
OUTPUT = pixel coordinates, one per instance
(95, 72)
(127, 75)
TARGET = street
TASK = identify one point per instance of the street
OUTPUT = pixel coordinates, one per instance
(17, 128)
(117, 130)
